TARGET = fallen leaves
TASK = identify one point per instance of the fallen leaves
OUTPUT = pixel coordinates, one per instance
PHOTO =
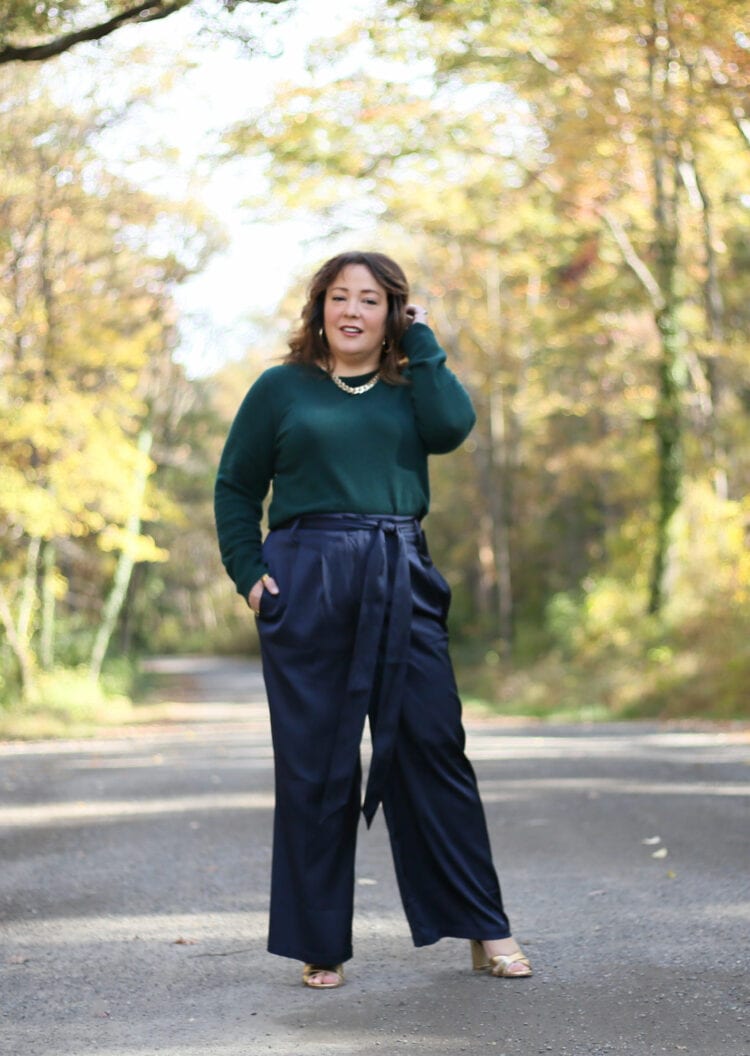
(652, 841)
(660, 853)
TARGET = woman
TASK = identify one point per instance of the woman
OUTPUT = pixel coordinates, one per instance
(351, 618)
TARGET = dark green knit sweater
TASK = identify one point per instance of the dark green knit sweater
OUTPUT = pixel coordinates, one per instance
(326, 451)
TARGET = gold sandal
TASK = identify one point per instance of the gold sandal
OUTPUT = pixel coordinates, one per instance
(500, 964)
(311, 970)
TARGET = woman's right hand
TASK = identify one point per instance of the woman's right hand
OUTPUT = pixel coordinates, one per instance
(265, 582)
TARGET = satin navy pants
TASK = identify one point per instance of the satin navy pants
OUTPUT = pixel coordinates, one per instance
(357, 630)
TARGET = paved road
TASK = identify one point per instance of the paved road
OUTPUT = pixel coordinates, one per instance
(133, 895)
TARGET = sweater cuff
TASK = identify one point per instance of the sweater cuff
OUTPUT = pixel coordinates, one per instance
(249, 578)
(420, 345)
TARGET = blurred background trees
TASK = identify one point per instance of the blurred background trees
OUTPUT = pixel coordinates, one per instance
(568, 186)
(89, 387)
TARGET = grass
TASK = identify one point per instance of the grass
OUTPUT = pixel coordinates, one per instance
(695, 673)
(612, 666)
(69, 703)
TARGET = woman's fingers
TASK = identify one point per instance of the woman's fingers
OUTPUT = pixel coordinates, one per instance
(416, 313)
(265, 582)
(253, 598)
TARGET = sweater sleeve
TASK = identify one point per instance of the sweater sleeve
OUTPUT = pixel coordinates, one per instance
(444, 412)
(245, 473)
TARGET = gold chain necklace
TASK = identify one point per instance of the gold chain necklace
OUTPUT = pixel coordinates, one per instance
(355, 390)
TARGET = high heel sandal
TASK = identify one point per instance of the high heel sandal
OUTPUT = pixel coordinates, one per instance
(500, 964)
(311, 970)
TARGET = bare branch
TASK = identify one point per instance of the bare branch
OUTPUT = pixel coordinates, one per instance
(147, 11)
(634, 262)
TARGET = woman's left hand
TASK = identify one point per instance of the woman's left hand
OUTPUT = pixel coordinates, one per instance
(265, 582)
(416, 313)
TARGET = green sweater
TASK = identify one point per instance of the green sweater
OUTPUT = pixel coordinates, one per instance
(326, 451)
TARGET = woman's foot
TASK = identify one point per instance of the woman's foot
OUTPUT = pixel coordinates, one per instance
(320, 977)
(502, 957)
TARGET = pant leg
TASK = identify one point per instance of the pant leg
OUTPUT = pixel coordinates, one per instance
(306, 644)
(432, 807)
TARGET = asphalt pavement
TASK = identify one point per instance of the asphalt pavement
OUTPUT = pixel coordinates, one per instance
(134, 889)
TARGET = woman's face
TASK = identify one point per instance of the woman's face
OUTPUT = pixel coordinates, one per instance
(354, 315)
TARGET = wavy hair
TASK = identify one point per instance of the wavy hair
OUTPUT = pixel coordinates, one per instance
(308, 344)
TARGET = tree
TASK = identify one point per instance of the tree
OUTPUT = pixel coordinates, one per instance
(87, 311)
(35, 31)
(622, 94)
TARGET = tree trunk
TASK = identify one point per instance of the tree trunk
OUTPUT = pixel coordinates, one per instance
(125, 564)
(668, 417)
(500, 517)
(18, 631)
(668, 424)
(20, 649)
(28, 590)
(714, 307)
(47, 628)
(499, 464)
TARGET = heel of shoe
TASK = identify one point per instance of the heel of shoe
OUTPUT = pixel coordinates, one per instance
(479, 959)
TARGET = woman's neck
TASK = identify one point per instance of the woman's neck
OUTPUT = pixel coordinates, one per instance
(352, 368)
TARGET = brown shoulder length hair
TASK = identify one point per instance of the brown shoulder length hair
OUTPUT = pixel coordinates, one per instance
(308, 345)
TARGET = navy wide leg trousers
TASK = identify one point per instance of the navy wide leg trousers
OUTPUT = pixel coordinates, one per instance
(357, 630)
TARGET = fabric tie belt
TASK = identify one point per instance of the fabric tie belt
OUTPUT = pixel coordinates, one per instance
(381, 640)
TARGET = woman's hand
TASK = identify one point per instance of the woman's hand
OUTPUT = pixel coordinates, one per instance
(415, 313)
(265, 582)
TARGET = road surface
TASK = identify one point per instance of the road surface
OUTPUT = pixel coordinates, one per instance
(134, 891)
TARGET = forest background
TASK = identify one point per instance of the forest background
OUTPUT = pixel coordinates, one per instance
(568, 186)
